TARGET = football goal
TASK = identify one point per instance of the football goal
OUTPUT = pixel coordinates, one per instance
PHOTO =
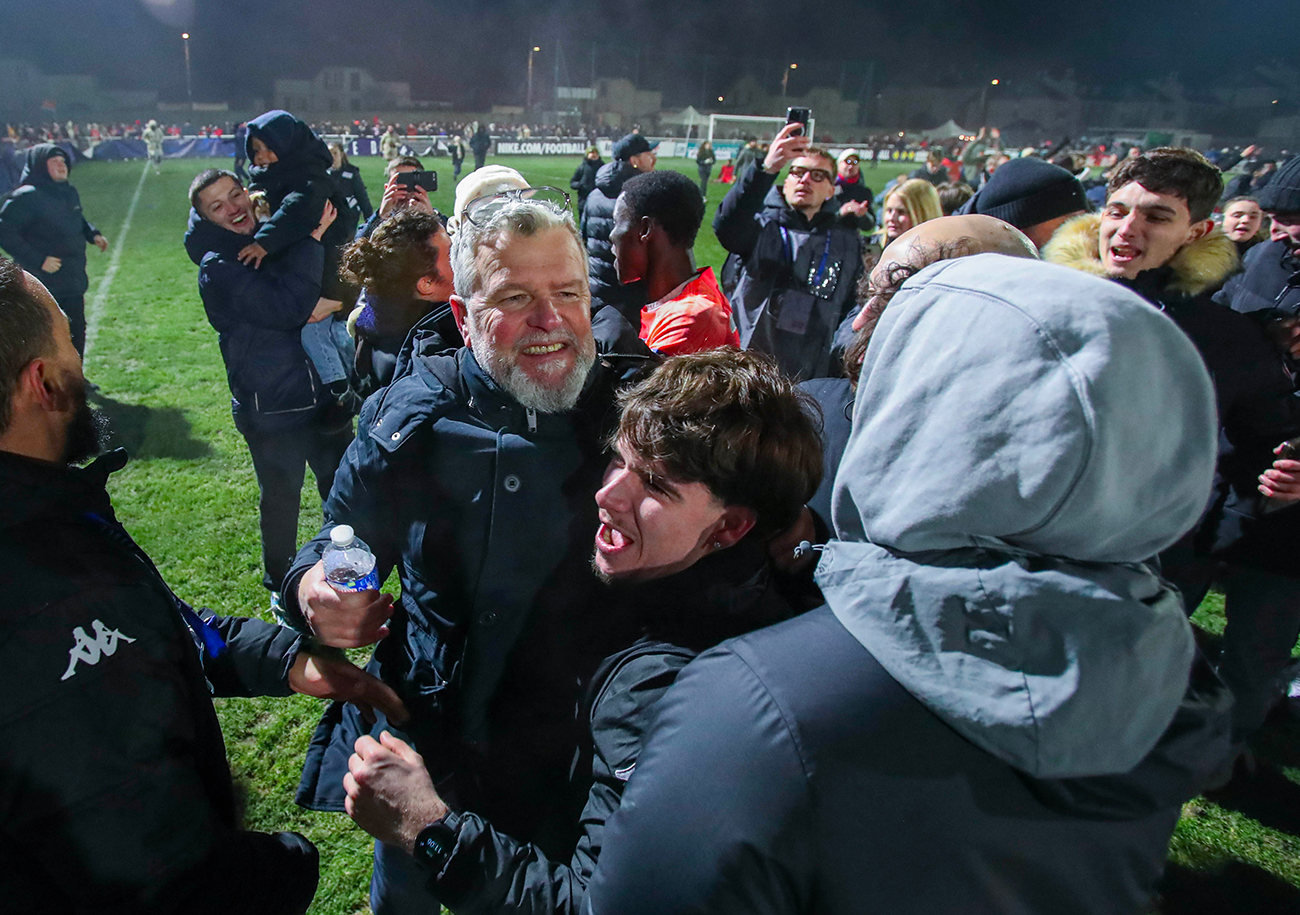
(724, 127)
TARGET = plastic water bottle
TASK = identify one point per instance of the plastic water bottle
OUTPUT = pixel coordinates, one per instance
(349, 564)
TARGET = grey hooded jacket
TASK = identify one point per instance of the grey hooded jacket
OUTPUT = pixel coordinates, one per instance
(1001, 709)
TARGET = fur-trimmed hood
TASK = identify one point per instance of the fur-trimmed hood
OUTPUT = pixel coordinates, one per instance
(1200, 266)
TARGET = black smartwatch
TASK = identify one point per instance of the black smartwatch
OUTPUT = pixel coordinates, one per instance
(434, 844)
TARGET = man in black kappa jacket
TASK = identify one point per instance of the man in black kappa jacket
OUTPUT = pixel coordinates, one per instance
(115, 786)
(43, 229)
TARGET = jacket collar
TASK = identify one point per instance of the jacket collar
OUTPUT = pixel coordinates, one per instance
(1197, 267)
(786, 215)
(31, 489)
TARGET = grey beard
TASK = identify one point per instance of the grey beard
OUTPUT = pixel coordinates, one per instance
(531, 395)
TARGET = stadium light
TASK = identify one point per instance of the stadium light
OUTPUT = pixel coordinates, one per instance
(994, 83)
(189, 82)
(719, 98)
(785, 77)
(528, 106)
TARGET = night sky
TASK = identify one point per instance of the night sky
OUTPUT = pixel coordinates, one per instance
(476, 52)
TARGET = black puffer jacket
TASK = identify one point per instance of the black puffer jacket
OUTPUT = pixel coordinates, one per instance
(597, 224)
(258, 315)
(43, 218)
(1268, 287)
(115, 787)
(722, 595)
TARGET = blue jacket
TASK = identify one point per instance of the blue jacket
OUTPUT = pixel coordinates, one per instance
(780, 251)
(258, 315)
(486, 511)
(43, 218)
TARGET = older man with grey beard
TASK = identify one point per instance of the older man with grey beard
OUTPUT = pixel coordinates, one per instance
(473, 475)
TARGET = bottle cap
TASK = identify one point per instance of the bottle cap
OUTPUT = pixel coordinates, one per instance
(342, 535)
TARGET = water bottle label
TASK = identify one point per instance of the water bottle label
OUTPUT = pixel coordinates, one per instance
(367, 582)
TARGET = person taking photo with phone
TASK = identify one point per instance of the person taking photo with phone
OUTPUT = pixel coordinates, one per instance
(795, 264)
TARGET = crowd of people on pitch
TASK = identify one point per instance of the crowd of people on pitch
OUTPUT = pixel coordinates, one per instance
(757, 592)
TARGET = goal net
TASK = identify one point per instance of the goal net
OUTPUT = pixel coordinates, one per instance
(728, 132)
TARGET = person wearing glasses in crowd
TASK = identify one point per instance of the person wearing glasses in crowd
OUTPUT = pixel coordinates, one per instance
(799, 264)
(473, 475)
(852, 191)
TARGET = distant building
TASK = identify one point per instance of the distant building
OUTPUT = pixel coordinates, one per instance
(342, 90)
(619, 103)
(29, 94)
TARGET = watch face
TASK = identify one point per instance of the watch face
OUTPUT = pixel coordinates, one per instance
(436, 841)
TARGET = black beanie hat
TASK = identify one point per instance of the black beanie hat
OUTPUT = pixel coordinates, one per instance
(1025, 192)
(1282, 194)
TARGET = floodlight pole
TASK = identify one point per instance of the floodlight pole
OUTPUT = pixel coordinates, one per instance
(785, 77)
(528, 105)
(189, 84)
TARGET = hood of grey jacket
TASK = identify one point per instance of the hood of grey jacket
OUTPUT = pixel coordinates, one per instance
(1025, 438)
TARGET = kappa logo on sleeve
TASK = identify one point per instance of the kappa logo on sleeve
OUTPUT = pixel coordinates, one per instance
(90, 650)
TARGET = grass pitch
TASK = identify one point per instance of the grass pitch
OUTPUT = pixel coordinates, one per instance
(190, 498)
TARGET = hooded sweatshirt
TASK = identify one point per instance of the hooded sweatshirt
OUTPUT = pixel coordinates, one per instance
(993, 534)
(297, 186)
(43, 218)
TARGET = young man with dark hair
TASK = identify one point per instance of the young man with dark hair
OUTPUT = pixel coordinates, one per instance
(656, 219)
(1269, 289)
(798, 262)
(1155, 236)
(714, 453)
(115, 786)
(980, 659)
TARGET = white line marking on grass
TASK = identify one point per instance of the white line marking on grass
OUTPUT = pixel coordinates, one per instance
(114, 261)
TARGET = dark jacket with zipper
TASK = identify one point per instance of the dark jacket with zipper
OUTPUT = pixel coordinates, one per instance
(781, 251)
(597, 223)
(349, 183)
(258, 314)
(1258, 407)
(384, 326)
(584, 180)
(787, 772)
(43, 218)
(115, 787)
(721, 596)
(486, 511)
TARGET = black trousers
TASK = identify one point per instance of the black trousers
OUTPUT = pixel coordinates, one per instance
(280, 459)
(1262, 611)
(75, 308)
